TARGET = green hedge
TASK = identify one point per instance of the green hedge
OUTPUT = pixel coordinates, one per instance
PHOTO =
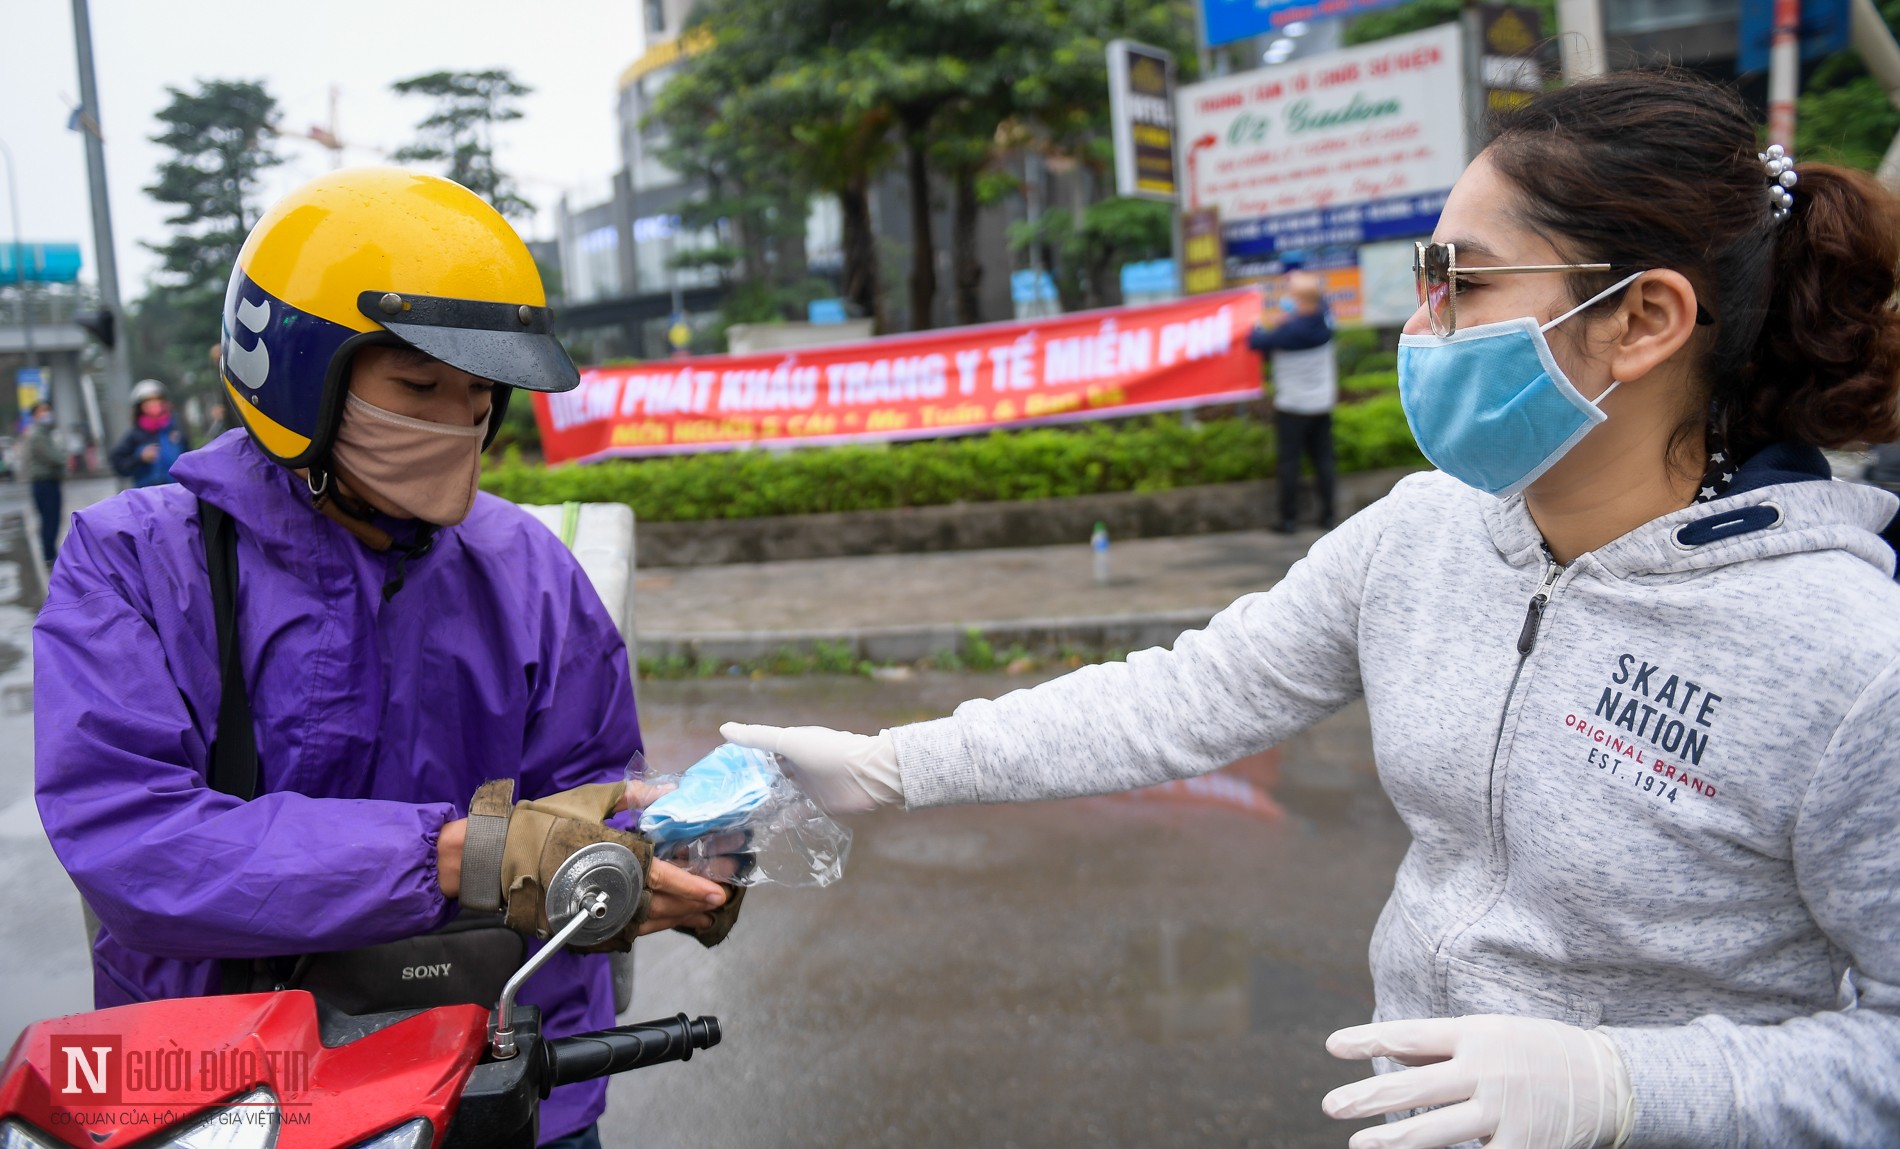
(1147, 455)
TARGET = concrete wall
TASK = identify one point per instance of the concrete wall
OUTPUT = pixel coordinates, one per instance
(975, 526)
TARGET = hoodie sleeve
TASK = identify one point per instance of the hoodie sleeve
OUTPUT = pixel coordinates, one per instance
(173, 868)
(1268, 666)
(1295, 333)
(124, 454)
(1827, 1079)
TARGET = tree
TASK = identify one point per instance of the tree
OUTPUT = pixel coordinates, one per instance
(222, 141)
(749, 185)
(1843, 116)
(461, 130)
(822, 95)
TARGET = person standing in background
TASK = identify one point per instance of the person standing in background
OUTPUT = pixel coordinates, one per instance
(45, 469)
(1305, 387)
(154, 441)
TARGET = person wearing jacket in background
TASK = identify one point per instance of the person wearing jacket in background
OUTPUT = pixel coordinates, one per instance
(1305, 388)
(1632, 660)
(149, 447)
(46, 470)
(414, 651)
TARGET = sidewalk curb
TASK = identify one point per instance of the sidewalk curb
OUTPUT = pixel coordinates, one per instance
(1113, 633)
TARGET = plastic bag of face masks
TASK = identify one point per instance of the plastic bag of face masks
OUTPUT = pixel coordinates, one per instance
(734, 817)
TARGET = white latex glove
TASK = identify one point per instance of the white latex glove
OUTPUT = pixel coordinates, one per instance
(1522, 1082)
(844, 773)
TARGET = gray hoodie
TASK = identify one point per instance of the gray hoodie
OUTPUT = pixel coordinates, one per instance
(1665, 804)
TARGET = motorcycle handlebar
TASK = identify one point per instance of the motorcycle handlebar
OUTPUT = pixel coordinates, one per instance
(624, 1047)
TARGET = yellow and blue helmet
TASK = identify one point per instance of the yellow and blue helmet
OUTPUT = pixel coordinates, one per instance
(378, 255)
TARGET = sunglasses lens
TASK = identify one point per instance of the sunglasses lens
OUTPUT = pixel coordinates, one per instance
(1433, 269)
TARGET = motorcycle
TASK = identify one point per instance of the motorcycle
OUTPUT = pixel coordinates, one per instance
(284, 1070)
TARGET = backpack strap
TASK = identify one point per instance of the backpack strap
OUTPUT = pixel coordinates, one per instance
(233, 765)
(234, 753)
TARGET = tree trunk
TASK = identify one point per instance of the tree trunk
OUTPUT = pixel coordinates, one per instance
(860, 253)
(788, 245)
(965, 266)
(923, 248)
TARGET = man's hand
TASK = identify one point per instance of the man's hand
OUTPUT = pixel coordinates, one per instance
(1513, 1082)
(680, 900)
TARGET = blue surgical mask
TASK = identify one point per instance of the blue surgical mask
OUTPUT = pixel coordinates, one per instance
(1488, 404)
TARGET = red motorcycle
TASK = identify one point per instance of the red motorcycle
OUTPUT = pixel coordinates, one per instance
(285, 1071)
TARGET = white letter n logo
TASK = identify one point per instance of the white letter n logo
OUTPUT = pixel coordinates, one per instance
(93, 1068)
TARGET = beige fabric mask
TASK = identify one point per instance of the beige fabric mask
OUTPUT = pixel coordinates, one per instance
(424, 470)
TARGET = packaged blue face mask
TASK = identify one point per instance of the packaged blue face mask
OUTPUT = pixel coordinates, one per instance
(733, 816)
(716, 793)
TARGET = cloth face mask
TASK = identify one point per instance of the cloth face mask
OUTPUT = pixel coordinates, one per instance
(1489, 406)
(425, 470)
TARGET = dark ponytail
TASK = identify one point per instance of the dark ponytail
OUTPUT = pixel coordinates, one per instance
(1660, 168)
(1824, 367)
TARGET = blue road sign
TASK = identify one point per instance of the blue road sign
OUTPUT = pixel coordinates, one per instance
(1155, 277)
(1228, 20)
(39, 262)
(1823, 31)
(1031, 287)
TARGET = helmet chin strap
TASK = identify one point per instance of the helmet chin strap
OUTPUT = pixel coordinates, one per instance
(355, 518)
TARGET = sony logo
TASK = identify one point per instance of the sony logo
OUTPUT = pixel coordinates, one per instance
(413, 972)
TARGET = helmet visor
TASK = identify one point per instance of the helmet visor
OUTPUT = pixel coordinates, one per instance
(501, 342)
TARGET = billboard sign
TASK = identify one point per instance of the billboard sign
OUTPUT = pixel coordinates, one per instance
(1141, 113)
(1352, 147)
(956, 381)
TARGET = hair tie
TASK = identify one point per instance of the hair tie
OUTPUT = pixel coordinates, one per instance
(1781, 180)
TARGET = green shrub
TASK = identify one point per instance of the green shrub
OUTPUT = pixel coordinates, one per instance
(1153, 454)
(1352, 344)
(1369, 384)
(1377, 363)
(1374, 434)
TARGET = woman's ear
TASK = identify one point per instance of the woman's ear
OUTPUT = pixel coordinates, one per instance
(1655, 321)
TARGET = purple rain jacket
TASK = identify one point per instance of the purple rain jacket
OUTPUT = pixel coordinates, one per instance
(375, 722)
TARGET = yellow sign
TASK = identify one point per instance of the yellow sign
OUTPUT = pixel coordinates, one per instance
(679, 335)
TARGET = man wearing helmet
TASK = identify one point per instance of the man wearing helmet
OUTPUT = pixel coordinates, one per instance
(396, 639)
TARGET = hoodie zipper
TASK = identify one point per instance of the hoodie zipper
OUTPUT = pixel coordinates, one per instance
(1527, 638)
(1526, 642)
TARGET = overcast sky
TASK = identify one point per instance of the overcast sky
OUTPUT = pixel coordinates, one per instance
(570, 51)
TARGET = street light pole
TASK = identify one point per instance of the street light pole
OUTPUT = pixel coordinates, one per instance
(19, 268)
(118, 364)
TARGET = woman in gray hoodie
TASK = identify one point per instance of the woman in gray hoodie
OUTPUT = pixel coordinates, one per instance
(1632, 662)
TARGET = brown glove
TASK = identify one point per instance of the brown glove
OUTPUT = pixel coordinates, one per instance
(513, 849)
(723, 918)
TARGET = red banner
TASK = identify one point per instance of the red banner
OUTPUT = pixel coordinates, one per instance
(1090, 365)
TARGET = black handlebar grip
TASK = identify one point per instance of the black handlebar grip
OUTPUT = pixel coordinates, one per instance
(625, 1047)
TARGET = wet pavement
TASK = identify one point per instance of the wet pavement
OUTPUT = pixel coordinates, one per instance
(44, 968)
(1153, 969)
(1145, 970)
